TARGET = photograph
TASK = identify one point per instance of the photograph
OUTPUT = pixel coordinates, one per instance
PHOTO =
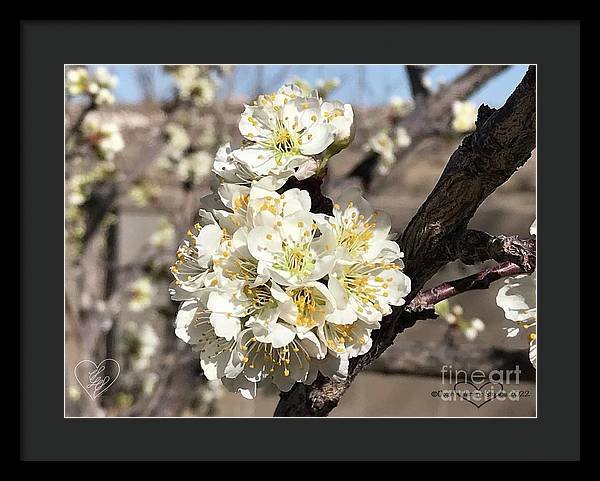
(273, 240)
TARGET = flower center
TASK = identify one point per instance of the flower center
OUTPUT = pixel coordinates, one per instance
(297, 259)
(273, 359)
(339, 335)
(308, 305)
(259, 296)
(367, 282)
(355, 232)
(283, 141)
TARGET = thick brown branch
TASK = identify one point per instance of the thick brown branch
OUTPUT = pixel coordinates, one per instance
(416, 78)
(502, 142)
(475, 246)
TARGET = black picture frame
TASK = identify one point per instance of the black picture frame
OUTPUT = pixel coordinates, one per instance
(47, 45)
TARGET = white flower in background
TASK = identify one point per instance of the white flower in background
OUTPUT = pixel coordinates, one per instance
(400, 106)
(194, 166)
(104, 97)
(141, 293)
(141, 342)
(402, 139)
(518, 299)
(454, 316)
(78, 80)
(99, 87)
(164, 236)
(78, 189)
(105, 79)
(149, 383)
(74, 393)
(102, 86)
(79, 185)
(177, 138)
(325, 86)
(142, 193)
(382, 144)
(270, 291)
(104, 137)
(464, 116)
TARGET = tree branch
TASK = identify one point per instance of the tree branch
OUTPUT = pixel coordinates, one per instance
(481, 280)
(427, 359)
(416, 78)
(431, 117)
(474, 246)
(502, 142)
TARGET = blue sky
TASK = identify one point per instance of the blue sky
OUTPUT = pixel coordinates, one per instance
(382, 81)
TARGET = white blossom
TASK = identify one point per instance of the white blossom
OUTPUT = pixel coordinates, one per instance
(194, 166)
(141, 293)
(400, 106)
(454, 316)
(382, 144)
(402, 139)
(286, 130)
(517, 298)
(142, 343)
(164, 236)
(77, 80)
(98, 87)
(104, 137)
(464, 116)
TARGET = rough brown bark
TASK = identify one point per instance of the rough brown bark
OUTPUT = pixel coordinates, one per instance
(502, 142)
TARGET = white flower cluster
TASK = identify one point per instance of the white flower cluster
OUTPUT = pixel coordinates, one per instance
(517, 298)
(104, 137)
(270, 291)
(98, 87)
(464, 116)
(193, 83)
